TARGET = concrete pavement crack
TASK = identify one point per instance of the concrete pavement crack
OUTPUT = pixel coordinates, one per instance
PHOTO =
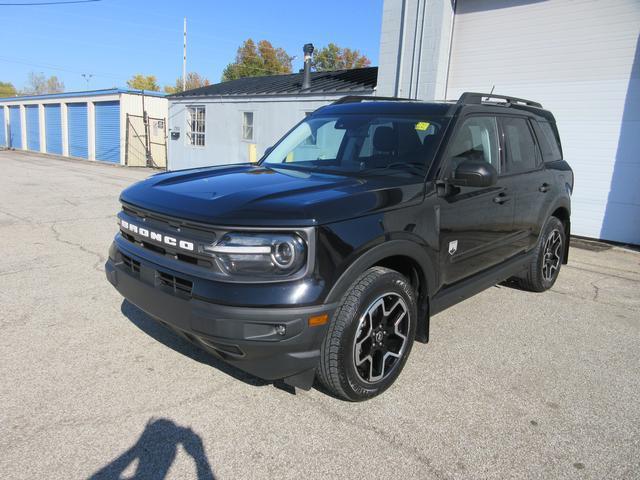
(100, 257)
(22, 219)
(386, 437)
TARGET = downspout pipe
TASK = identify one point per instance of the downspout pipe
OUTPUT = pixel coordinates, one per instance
(453, 24)
(401, 39)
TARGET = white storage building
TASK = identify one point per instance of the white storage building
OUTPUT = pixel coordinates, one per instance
(103, 125)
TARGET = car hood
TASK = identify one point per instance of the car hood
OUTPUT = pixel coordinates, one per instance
(252, 195)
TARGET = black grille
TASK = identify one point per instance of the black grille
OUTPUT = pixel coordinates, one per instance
(131, 264)
(177, 284)
(196, 233)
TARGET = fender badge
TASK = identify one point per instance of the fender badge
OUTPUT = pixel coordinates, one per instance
(453, 247)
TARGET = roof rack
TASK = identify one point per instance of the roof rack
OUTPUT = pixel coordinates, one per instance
(476, 99)
(370, 98)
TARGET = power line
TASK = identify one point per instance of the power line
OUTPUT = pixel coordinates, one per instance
(46, 3)
(54, 67)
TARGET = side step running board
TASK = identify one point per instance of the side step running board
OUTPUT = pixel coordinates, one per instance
(464, 289)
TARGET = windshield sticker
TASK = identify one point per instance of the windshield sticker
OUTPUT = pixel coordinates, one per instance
(422, 126)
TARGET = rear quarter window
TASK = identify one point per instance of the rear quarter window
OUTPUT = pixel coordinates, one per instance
(548, 141)
(522, 154)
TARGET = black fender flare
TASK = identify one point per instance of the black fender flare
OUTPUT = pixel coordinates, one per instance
(562, 202)
(390, 248)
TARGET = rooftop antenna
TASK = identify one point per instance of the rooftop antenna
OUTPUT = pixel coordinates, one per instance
(490, 92)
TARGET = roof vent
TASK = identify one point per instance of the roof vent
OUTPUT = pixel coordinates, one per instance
(306, 79)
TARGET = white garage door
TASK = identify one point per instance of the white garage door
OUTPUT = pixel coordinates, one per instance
(581, 60)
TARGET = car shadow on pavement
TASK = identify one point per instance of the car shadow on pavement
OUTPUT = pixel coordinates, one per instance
(173, 340)
(154, 453)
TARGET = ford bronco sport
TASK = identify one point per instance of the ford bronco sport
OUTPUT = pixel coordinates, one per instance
(327, 258)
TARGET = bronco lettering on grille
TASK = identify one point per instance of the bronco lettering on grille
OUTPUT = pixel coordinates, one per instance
(157, 236)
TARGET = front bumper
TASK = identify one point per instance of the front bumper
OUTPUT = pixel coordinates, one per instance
(250, 338)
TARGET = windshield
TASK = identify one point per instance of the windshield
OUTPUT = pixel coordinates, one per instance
(360, 143)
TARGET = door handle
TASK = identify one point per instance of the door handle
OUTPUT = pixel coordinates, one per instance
(544, 188)
(500, 199)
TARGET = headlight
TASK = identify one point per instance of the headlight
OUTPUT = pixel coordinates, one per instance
(259, 254)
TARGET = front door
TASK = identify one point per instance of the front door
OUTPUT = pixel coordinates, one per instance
(476, 223)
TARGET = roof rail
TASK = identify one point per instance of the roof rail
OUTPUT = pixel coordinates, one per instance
(476, 99)
(365, 98)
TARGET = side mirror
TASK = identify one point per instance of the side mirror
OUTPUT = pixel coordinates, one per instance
(474, 173)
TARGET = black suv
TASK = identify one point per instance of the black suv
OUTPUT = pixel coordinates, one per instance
(327, 258)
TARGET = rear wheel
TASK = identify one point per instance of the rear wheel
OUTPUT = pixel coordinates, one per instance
(370, 336)
(547, 259)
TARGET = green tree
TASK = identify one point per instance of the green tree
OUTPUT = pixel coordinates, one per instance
(194, 80)
(7, 89)
(54, 85)
(143, 82)
(333, 57)
(38, 84)
(257, 60)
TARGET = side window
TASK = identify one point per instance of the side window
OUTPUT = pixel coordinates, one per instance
(548, 142)
(476, 139)
(522, 152)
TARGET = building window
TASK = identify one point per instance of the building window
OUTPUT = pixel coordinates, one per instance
(247, 125)
(196, 122)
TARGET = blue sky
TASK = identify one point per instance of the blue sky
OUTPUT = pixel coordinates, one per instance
(114, 39)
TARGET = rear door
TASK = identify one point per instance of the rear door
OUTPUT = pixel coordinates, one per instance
(532, 184)
(476, 223)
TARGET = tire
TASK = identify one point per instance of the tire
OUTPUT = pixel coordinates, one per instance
(370, 336)
(547, 259)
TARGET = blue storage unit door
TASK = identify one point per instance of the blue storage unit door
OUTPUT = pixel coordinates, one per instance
(77, 130)
(3, 128)
(53, 128)
(32, 114)
(15, 128)
(108, 131)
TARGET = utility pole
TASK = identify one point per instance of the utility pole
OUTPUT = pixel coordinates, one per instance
(87, 77)
(184, 57)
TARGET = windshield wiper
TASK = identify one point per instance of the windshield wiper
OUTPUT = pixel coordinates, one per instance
(418, 168)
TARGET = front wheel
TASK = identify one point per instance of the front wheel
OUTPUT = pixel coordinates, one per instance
(547, 258)
(370, 336)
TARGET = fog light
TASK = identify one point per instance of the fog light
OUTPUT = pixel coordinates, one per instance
(281, 329)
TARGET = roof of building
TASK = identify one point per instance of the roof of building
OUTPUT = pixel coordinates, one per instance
(86, 93)
(360, 80)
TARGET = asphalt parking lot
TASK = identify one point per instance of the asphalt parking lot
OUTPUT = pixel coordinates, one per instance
(512, 384)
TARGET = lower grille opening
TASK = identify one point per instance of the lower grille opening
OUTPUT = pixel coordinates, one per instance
(131, 264)
(177, 284)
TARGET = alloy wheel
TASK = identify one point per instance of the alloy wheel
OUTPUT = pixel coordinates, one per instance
(381, 338)
(552, 252)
